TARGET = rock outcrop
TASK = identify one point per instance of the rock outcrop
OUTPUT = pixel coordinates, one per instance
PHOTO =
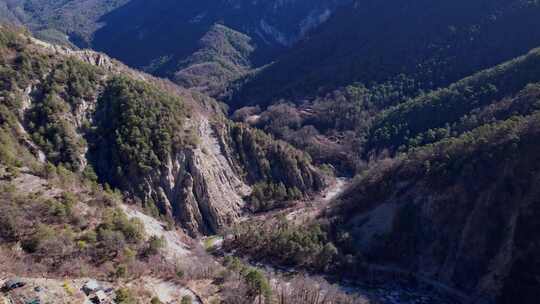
(198, 186)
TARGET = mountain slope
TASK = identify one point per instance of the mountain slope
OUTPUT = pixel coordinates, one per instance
(170, 36)
(457, 204)
(173, 28)
(161, 144)
(74, 125)
(223, 56)
(460, 211)
(452, 110)
(367, 41)
(60, 20)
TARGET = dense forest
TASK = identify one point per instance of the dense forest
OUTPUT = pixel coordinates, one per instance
(342, 109)
(366, 41)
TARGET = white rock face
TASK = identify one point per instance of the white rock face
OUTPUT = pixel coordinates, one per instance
(284, 22)
(199, 186)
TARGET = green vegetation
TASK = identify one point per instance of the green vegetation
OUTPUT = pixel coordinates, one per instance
(267, 196)
(287, 244)
(154, 246)
(186, 300)
(477, 178)
(12, 153)
(357, 124)
(396, 48)
(155, 300)
(272, 162)
(125, 296)
(65, 86)
(223, 56)
(70, 85)
(257, 285)
(54, 232)
(52, 20)
(437, 115)
(116, 232)
(138, 127)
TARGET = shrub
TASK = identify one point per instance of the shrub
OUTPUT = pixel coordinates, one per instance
(8, 226)
(121, 271)
(155, 300)
(186, 300)
(155, 244)
(125, 296)
(285, 243)
(40, 235)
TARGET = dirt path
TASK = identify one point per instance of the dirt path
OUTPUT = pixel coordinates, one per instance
(306, 211)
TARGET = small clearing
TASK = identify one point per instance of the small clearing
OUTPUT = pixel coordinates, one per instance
(175, 248)
(168, 292)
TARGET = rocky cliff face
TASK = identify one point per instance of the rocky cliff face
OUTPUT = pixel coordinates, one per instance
(198, 186)
(172, 158)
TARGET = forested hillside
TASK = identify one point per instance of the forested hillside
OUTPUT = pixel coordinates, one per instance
(456, 202)
(462, 106)
(171, 29)
(145, 136)
(105, 170)
(446, 191)
(224, 55)
(188, 41)
(461, 211)
(327, 95)
(57, 20)
(399, 48)
(389, 147)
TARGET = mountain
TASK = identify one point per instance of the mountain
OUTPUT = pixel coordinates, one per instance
(168, 148)
(223, 56)
(173, 29)
(458, 204)
(60, 21)
(162, 37)
(108, 174)
(324, 94)
(433, 107)
(447, 196)
(368, 41)
(461, 212)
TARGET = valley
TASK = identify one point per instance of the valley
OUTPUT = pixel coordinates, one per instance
(277, 152)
